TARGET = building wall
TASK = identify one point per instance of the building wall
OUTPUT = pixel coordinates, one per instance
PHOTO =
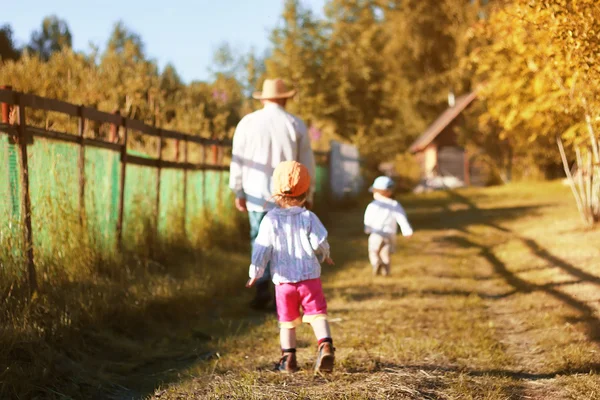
(345, 175)
(451, 162)
(429, 160)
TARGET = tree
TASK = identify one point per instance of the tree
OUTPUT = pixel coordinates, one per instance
(8, 49)
(297, 55)
(171, 89)
(228, 61)
(122, 38)
(133, 79)
(356, 100)
(428, 41)
(53, 36)
(537, 61)
(539, 64)
(255, 72)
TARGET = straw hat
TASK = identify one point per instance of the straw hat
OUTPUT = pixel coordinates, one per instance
(290, 179)
(274, 89)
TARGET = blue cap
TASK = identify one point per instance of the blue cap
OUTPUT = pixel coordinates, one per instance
(382, 183)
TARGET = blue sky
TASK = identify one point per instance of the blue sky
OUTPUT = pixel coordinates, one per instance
(185, 33)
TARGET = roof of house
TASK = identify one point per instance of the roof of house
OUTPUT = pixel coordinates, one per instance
(441, 122)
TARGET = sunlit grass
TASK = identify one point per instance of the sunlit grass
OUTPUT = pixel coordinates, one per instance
(495, 297)
(473, 310)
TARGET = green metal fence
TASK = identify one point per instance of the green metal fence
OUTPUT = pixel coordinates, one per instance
(111, 213)
(53, 172)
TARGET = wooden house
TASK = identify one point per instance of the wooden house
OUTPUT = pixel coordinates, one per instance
(437, 149)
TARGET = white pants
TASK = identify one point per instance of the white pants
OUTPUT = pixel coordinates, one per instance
(380, 250)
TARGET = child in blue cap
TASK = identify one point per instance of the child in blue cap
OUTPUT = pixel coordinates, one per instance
(382, 217)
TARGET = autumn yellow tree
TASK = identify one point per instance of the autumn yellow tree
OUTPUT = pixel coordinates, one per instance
(537, 64)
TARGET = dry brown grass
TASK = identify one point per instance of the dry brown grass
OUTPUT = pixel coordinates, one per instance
(97, 318)
(495, 297)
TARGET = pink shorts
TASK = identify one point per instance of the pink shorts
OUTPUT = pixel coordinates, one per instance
(306, 294)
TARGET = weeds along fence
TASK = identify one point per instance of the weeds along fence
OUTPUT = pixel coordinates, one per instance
(73, 177)
(118, 179)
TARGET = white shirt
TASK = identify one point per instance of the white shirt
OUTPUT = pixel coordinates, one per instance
(383, 215)
(261, 141)
(294, 241)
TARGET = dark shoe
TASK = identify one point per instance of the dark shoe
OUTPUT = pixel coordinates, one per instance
(325, 358)
(376, 270)
(288, 364)
(385, 270)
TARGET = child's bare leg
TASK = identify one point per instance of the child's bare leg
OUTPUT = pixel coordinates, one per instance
(321, 328)
(385, 254)
(287, 338)
(375, 261)
(375, 245)
(325, 354)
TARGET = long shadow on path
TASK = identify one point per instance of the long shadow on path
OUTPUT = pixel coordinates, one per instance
(517, 375)
(520, 285)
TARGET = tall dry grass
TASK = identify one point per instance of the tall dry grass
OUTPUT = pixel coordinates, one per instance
(93, 300)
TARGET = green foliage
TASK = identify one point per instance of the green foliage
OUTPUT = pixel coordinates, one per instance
(8, 49)
(408, 171)
(536, 62)
(122, 79)
(374, 72)
(53, 36)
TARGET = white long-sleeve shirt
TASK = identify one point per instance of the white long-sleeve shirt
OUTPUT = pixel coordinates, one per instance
(261, 141)
(294, 241)
(383, 215)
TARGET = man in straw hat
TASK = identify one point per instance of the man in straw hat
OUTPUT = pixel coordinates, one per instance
(261, 141)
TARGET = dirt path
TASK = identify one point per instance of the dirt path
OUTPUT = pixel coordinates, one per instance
(496, 297)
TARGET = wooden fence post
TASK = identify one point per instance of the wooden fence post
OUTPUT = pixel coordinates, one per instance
(122, 186)
(219, 161)
(158, 173)
(204, 163)
(215, 154)
(6, 107)
(185, 184)
(113, 136)
(81, 165)
(26, 199)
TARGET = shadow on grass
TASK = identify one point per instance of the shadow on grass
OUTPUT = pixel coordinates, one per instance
(114, 355)
(554, 261)
(520, 285)
(516, 375)
(461, 220)
(373, 292)
(123, 329)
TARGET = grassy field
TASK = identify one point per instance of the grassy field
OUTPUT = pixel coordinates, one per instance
(496, 296)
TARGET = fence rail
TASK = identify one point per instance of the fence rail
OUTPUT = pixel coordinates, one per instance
(22, 135)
